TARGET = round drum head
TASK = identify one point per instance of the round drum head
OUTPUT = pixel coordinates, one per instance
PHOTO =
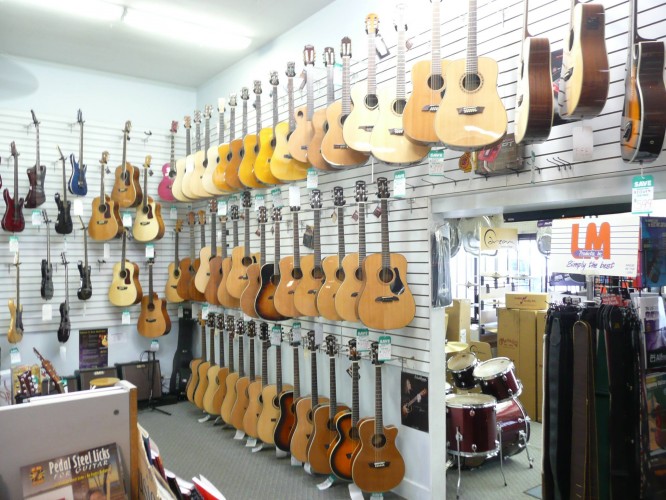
(470, 401)
(461, 361)
(492, 368)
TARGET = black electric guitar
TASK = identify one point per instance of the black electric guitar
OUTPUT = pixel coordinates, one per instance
(46, 290)
(13, 221)
(65, 326)
(85, 287)
(36, 174)
(63, 223)
(77, 180)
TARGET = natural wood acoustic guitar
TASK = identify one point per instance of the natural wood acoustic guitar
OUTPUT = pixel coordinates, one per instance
(302, 134)
(148, 223)
(105, 222)
(244, 379)
(126, 190)
(248, 297)
(246, 172)
(207, 362)
(201, 158)
(154, 320)
(15, 331)
(234, 157)
(262, 165)
(255, 389)
(334, 273)
(214, 276)
(241, 257)
(222, 323)
(190, 161)
(290, 274)
(193, 291)
(214, 369)
(181, 164)
(193, 381)
(125, 288)
(213, 156)
(223, 151)
(186, 265)
(171, 287)
(284, 427)
(233, 375)
(270, 277)
(305, 295)
(319, 123)
(206, 253)
(223, 295)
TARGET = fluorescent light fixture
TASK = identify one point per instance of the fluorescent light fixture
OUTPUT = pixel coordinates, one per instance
(92, 9)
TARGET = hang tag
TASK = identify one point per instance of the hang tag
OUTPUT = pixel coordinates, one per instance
(195, 310)
(296, 331)
(204, 310)
(251, 443)
(63, 352)
(218, 235)
(280, 453)
(276, 335)
(307, 468)
(222, 208)
(239, 435)
(14, 356)
(642, 194)
(203, 419)
(154, 345)
(295, 462)
(47, 312)
(77, 208)
(363, 339)
(436, 162)
(180, 311)
(258, 202)
(13, 244)
(150, 251)
(36, 217)
(313, 179)
(173, 213)
(355, 216)
(377, 496)
(294, 196)
(381, 48)
(327, 483)
(258, 232)
(319, 333)
(583, 143)
(399, 184)
(308, 237)
(258, 448)
(355, 492)
(334, 216)
(384, 348)
(189, 165)
(106, 252)
(276, 195)
(127, 219)
(126, 317)
(377, 212)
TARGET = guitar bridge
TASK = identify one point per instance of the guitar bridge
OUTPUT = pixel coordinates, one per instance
(366, 128)
(385, 300)
(397, 131)
(471, 110)
(379, 465)
(430, 108)
(340, 146)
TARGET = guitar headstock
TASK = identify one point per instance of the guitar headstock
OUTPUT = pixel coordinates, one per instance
(62, 156)
(291, 69)
(251, 329)
(202, 320)
(329, 56)
(310, 342)
(35, 121)
(234, 212)
(257, 87)
(240, 327)
(275, 81)
(191, 219)
(15, 153)
(276, 216)
(208, 111)
(331, 346)
(179, 226)
(315, 199)
(338, 196)
(221, 104)
(202, 217)
(233, 100)
(293, 342)
(374, 353)
(188, 122)
(230, 326)
(361, 192)
(382, 188)
(246, 199)
(212, 206)
(174, 127)
(210, 321)
(147, 161)
(197, 116)
(79, 117)
(309, 55)
(372, 24)
(345, 47)
(263, 332)
(263, 215)
(400, 24)
(353, 351)
(219, 321)
(245, 93)
(128, 128)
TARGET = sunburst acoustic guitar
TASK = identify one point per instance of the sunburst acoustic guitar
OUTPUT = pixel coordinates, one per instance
(284, 427)
(270, 277)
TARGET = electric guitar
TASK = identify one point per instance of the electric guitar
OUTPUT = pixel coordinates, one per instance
(324, 416)
(255, 389)
(284, 427)
(333, 147)
(63, 223)
(385, 302)
(584, 78)
(125, 289)
(232, 375)
(248, 297)
(223, 371)
(223, 295)
(77, 179)
(212, 262)
(213, 156)
(46, 289)
(305, 295)
(471, 115)
(270, 277)
(181, 165)
(15, 332)
(164, 190)
(154, 320)
(185, 266)
(290, 274)
(213, 370)
(201, 158)
(262, 165)
(203, 367)
(85, 286)
(319, 123)
(105, 222)
(233, 156)
(643, 117)
(406, 408)
(357, 128)
(194, 364)
(36, 174)
(148, 223)
(13, 221)
(206, 253)
(428, 88)
(224, 152)
(241, 257)
(388, 141)
(240, 405)
(302, 134)
(283, 165)
(246, 172)
(127, 187)
(190, 162)
(346, 298)
(171, 289)
(534, 101)
(334, 273)
(377, 463)
(65, 326)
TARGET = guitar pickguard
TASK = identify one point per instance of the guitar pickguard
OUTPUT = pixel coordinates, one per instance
(397, 286)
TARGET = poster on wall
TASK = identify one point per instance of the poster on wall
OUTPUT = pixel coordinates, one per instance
(414, 401)
(599, 246)
(653, 251)
(496, 238)
(93, 348)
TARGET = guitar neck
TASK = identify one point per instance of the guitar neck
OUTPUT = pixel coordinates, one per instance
(213, 235)
(223, 236)
(220, 129)
(123, 253)
(341, 236)
(192, 243)
(232, 124)
(231, 351)
(252, 366)
(102, 197)
(222, 362)
(257, 108)
(64, 183)
(241, 356)
(197, 132)
(172, 155)
(207, 133)
(471, 66)
(204, 354)
(317, 238)
(211, 339)
(400, 64)
(526, 10)
(310, 92)
(355, 399)
(386, 253)
(262, 244)
(85, 247)
(247, 232)
(264, 362)
(275, 108)
(278, 363)
(80, 145)
(297, 374)
(235, 231)
(346, 85)
(361, 233)
(436, 40)
(150, 285)
(333, 401)
(290, 91)
(315, 384)
(37, 157)
(176, 248)
(372, 65)
(244, 117)
(276, 265)
(188, 141)
(330, 87)
(297, 248)
(379, 414)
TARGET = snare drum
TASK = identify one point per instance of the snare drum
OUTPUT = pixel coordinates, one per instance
(497, 378)
(473, 416)
(462, 367)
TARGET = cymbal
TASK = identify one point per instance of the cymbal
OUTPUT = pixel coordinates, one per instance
(495, 275)
(452, 347)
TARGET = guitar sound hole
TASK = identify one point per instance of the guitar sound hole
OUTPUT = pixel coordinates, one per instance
(318, 273)
(276, 401)
(297, 274)
(309, 415)
(299, 114)
(246, 261)
(217, 160)
(399, 106)
(386, 275)
(145, 209)
(325, 127)
(471, 82)
(436, 82)
(522, 69)
(273, 141)
(123, 274)
(124, 175)
(343, 119)
(242, 153)
(101, 209)
(340, 275)
(228, 156)
(151, 307)
(371, 101)
(359, 274)
(378, 440)
(176, 274)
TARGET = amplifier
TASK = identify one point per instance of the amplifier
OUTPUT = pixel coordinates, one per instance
(145, 375)
(87, 374)
(71, 383)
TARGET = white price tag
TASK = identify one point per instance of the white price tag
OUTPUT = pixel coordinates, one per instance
(77, 208)
(222, 208)
(363, 339)
(296, 331)
(204, 310)
(251, 443)
(313, 179)
(276, 194)
(258, 447)
(127, 219)
(583, 143)
(399, 184)
(319, 333)
(13, 244)
(294, 196)
(384, 348)
(63, 352)
(327, 483)
(642, 194)
(150, 251)
(279, 453)
(258, 202)
(276, 335)
(436, 162)
(239, 435)
(126, 317)
(14, 356)
(295, 462)
(180, 311)
(36, 217)
(107, 250)
(173, 213)
(154, 345)
(47, 312)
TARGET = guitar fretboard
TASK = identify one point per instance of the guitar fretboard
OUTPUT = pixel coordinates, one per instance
(212, 342)
(241, 356)
(310, 91)
(355, 400)
(278, 363)
(315, 384)
(436, 41)
(221, 328)
(247, 231)
(257, 107)
(317, 238)
(252, 366)
(220, 128)
(297, 248)
(264, 362)
(361, 233)
(232, 123)
(341, 236)
(379, 415)
(188, 142)
(204, 354)
(235, 232)
(400, 64)
(386, 254)
(223, 239)
(330, 88)
(471, 66)
(262, 244)
(276, 264)
(297, 374)
(333, 402)
(346, 85)
(275, 108)
(372, 64)
(290, 91)
(244, 117)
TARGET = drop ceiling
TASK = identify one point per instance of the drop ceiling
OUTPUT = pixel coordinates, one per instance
(47, 35)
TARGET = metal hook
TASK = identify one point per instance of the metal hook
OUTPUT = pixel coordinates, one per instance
(432, 184)
(147, 134)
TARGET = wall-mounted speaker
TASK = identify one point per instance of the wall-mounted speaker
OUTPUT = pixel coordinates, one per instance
(145, 375)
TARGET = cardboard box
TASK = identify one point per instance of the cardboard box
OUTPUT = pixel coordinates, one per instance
(459, 320)
(529, 301)
(527, 361)
(540, 332)
(508, 333)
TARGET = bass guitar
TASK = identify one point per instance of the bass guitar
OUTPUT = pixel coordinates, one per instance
(302, 134)
(290, 274)
(246, 172)
(584, 78)
(15, 332)
(241, 258)
(233, 156)
(186, 184)
(223, 151)
(205, 364)
(63, 223)
(305, 295)
(213, 156)
(154, 320)
(186, 265)
(377, 464)
(248, 297)
(209, 274)
(264, 303)
(164, 190)
(171, 289)
(36, 174)
(334, 273)
(262, 165)
(215, 405)
(148, 223)
(181, 164)
(385, 302)
(284, 427)
(211, 375)
(65, 326)
(125, 289)
(46, 289)
(256, 387)
(77, 179)
(194, 364)
(201, 158)
(85, 285)
(643, 117)
(223, 295)
(13, 221)
(319, 123)
(105, 222)
(126, 187)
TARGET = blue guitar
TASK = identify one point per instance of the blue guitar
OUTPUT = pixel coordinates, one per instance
(77, 180)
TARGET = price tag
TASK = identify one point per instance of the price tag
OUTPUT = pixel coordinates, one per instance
(251, 442)
(36, 217)
(313, 179)
(14, 356)
(239, 435)
(295, 462)
(276, 335)
(127, 219)
(399, 184)
(173, 213)
(642, 194)
(319, 333)
(107, 250)
(63, 352)
(126, 317)
(150, 251)
(258, 202)
(327, 483)
(154, 345)
(222, 208)
(276, 194)
(384, 349)
(180, 311)
(363, 339)
(77, 208)
(583, 143)
(294, 196)
(436, 162)
(47, 312)
(204, 310)
(13, 244)
(296, 331)
(258, 448)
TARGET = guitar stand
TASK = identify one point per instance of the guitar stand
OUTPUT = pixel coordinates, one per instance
(151, 402)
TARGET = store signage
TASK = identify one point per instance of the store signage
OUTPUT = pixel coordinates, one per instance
(602, 246)
(494, 238)
(642, 194)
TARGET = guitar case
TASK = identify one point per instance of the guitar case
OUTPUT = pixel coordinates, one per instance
(181, 372)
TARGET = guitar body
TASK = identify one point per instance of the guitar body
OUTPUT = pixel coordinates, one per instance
(270, 413)
(334, 149)
(230, 397)
(471, 120)
(323, 437)
(186, 184)
(262, 165)
(346, 298)
(234, 159)
(203, 272)
(329, 289)
(221, 392)
(148, 223)
(195, 294)
(246, 168)
(36, 195)
(85, 290)
(375, 449)
(13, 221)
(152, 320)
(358, 126)
(319, 126)
(223, 295)
(15, 332)
(171, 288)
(584, 77)
(196, 186)
(63, 223)
(283, 166)
(77, 184)
(202, 385)
(534, 101)
(305, 294)
(183, 283)
(46, 289)
(265, 299)
(249, 294)
(237, 280)
(300, 138)
(126, 187)
(194, 379)
(303, 429)
(418, 118)
(165, 185)
(219, 176)
(284, 293)
(105, 222)
(254, 407)
(385, 305)
(241, 403)
(176, 187)
(343, 446)
(285, 424)
(125, 290)
(644, 122)
(214, 280)
(207, 180)
(211, 390)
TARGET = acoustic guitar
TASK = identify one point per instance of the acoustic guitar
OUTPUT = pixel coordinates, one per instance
(305, 295)
(346, 298)
(358, 126)
(64, 224)
(246, 172)
(186, 265)
(264, 303)
(262, 165)
(377, 463)
(213, 262)
(243, 382)
(241, 257)
(428, 88)
(194, 364)
(181, 164)
(213, 370)
(333, 147)
(471, 115)
(171, 288)
(85, 272)
(643, 116)
(169, 169)
(50, 371)
(222, 323)
(201, 158)
(346, 425)
(334, 273)
(190, 162)
(13, 220)
(290, 274)
(213, 156)
(36, 174)
(284, 427)
(385, 301)
(224, 152)
(205, 364)
(65, 326)
(77, 184)
(248, 297)
(256, 387)
(584, 77)
(388, 141)
(233, 157)
(126, 190)
(324, 416)
(233, 375)
(154, 320)
(302, 135)
(223, 295)
(125, 288)
(15, 332)
(319, 123)
(148, 223)
(193, 291)
(534, 97)
(105, 222)
(46, 288)
(305, 407)
(283, 165)
(207, 252)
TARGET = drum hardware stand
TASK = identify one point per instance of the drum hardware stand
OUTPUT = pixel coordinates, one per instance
(458, 439)
(498, 443)
(501, 454)
(522, 441)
